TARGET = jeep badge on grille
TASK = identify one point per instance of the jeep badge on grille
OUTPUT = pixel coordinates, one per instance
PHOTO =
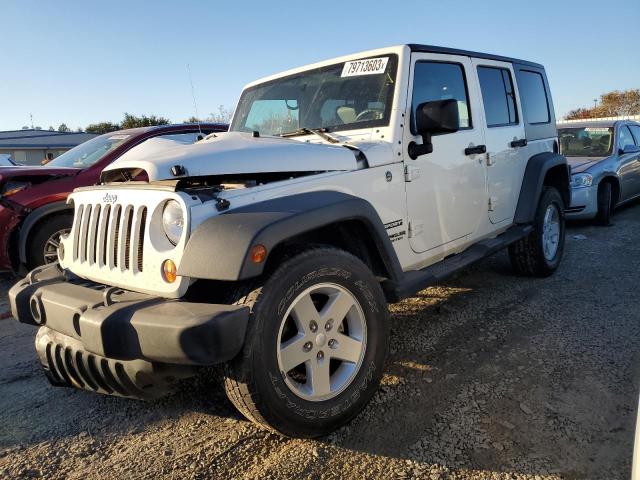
(108, 198)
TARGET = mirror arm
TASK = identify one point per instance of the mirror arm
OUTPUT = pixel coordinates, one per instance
(415, 150)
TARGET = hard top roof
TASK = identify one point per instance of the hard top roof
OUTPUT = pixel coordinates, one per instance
(467, 53)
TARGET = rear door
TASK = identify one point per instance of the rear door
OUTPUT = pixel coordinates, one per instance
(504, 136)
(446, 192)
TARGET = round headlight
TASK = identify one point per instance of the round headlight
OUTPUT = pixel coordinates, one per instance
(173, 221)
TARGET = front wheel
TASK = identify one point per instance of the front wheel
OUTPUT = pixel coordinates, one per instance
(315, 347)
(605, 201)
(42, 246)
(540, 252)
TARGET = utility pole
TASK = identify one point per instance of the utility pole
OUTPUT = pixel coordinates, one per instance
(31, 116)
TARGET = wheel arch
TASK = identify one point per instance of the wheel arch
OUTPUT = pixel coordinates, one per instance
(36, 217)
(543, 169)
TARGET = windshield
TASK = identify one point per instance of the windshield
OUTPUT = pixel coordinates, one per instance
(88, 153)
(586, 141)
(343, 96)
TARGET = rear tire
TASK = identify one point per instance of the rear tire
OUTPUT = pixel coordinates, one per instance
(307, 367)
(605, 204)
(540, 252)
(42, 244)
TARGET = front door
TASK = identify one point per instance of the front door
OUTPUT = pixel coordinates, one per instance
(629, 169)
(504, 137)
(446, 194)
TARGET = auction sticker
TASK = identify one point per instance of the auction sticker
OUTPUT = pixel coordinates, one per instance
(370, 66)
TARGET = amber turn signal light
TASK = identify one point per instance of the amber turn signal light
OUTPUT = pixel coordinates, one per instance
(258, 253)
(169, 271)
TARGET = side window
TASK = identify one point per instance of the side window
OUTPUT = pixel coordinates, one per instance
(635, 130)
(533, 97)
(624, 137)
(440, 81)
(497, 96)
(187, 138)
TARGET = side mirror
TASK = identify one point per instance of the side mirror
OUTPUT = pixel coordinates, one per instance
(434, 118)
(628, 149)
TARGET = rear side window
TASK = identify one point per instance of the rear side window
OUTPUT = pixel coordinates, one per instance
(440, 81)
(497, 96)
(635, 129)
(533, 97)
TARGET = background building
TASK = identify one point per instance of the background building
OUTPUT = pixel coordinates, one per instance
(30, 147)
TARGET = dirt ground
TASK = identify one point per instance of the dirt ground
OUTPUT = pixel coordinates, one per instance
(490, 376)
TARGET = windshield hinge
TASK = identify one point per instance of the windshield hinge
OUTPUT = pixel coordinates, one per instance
(411, 173)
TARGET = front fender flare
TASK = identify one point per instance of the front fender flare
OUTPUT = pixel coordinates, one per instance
(219, 247)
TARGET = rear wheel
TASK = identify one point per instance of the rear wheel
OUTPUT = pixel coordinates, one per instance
(605, 204)
(42, 246)
(540, 252)
(315, 347)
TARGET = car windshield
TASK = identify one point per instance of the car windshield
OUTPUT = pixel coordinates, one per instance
(88, 153)
(586, 141)
(343, 96)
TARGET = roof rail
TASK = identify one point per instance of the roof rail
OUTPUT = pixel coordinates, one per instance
(602, 119)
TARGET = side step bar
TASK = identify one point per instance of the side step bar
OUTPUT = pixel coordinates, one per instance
(416, 280)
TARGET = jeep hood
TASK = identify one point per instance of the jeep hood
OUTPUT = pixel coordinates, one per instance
(234, 153)
(581, 164)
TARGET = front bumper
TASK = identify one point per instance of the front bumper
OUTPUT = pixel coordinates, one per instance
(584, 203)
(119, 342)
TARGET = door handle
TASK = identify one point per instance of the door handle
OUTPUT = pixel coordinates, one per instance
(519, 143)
(476, 149)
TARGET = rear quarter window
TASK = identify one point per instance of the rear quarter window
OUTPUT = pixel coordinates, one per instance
(534, 97)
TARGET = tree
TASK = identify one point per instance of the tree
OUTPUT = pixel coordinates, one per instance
(133, 121)
(51, 129)
(223, 115)
(193, 119)
(63, 128)
(612, 104)
(102, 127)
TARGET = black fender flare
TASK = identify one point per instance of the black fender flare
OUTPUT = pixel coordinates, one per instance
(219, 248)
(534, 175)
(32, 219)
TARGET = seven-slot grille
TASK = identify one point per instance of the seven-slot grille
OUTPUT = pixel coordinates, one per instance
(110, 235)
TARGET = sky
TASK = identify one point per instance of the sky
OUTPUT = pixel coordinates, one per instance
(83, 62)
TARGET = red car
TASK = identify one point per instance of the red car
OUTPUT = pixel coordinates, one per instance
(33, 208)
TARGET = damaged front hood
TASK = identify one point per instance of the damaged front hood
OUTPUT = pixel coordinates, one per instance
(34, 171)
(237, 153)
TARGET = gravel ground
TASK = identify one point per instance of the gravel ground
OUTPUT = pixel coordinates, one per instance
(490, 376)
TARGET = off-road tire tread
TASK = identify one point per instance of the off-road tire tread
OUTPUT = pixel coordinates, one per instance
(238, 382)
(525, 254)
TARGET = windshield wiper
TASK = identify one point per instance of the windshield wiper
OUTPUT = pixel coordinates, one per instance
(320, 132)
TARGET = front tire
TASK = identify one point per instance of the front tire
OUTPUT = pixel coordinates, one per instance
(315, 347)
(605, 204)
(42, 246)
(540, 252)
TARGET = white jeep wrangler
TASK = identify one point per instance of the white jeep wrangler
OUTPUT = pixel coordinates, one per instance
(275, 247)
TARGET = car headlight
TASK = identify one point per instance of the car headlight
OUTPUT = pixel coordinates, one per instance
(581, 180)
(173, 221)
